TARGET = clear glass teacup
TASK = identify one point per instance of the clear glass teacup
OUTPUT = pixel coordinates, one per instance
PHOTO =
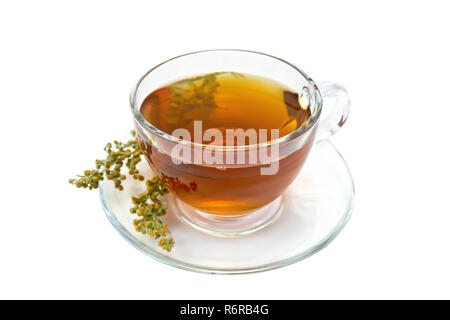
(234, 189)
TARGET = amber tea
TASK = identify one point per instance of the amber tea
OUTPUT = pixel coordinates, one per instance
(223, 101)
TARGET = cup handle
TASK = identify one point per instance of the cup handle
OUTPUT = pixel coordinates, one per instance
(336, 111)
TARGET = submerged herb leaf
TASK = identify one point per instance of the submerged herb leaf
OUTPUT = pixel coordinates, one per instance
(193, 99)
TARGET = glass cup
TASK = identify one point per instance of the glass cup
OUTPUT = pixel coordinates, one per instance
(235, 198)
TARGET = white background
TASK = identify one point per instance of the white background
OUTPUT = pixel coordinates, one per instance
(66, 69)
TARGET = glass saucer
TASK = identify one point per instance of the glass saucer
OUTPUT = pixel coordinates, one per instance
(316, 207)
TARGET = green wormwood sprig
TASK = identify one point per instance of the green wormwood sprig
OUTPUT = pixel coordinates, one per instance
(118, 154)
(147, 205)
(149, 208)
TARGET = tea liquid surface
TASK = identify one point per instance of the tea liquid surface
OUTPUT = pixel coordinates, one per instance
(223, 101)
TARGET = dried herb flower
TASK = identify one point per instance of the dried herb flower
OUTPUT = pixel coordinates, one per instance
(149, 208)
(147, 205)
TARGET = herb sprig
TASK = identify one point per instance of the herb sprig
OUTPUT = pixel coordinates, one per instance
(191, 99)
(118, 153)
(147, 205)
(149, 208)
